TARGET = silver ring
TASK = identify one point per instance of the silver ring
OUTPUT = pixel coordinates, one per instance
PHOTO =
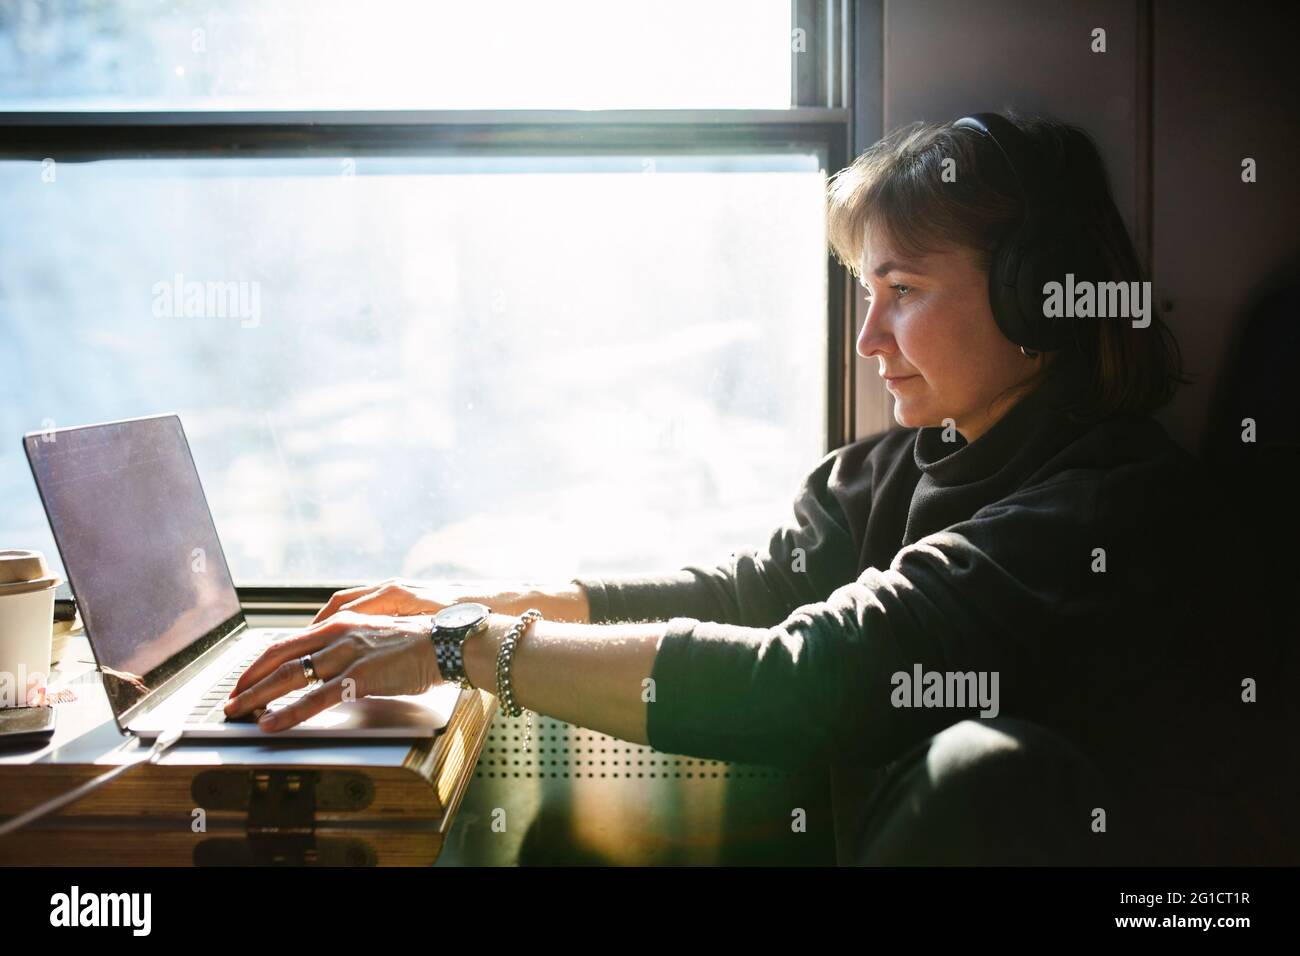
(308, 670)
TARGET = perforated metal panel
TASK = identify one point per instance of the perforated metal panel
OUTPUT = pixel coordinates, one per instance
(559, 749)
(580, 797)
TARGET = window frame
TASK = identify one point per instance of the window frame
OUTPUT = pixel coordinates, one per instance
(826, 117)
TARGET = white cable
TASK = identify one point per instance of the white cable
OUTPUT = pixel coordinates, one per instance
(160, 746)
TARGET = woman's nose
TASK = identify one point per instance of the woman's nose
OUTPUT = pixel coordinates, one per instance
(875, 337)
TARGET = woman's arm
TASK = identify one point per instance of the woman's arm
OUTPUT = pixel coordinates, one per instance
(1002, 613)
(593, 676)
(559, 602)
(395, 597)
(979, 602)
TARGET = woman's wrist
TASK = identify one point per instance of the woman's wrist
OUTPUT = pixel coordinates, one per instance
(563, 602)
(591, 675)
(480, 651)
(566, 602)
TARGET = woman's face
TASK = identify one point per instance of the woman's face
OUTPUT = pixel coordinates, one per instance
(940, 351)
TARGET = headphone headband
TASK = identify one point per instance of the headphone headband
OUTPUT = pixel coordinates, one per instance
(1019, 157)
(1011, 143)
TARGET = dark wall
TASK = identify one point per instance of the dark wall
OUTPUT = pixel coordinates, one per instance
(1219, 95)
(1183, 92)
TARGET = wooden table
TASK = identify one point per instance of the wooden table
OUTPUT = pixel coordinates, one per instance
(344, 802)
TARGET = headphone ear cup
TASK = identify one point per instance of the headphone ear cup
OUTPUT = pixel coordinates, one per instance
(1049, 263)
(1005, 297)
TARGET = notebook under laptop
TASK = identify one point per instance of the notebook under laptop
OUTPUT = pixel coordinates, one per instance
(155, 594)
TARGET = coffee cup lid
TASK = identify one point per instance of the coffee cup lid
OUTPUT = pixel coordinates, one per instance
(22, 571)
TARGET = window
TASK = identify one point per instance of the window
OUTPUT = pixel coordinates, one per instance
(436, 344)
(395, 54)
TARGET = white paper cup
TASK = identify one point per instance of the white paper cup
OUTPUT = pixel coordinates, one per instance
(26, 628)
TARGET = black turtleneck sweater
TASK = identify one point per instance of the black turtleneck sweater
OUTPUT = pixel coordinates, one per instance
(906, 549)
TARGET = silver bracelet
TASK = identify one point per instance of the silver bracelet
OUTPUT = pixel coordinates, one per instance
(505, 659)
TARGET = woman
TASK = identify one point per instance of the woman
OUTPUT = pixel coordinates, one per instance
(1024, 538)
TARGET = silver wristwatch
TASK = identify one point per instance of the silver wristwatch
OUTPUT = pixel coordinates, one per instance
(451, 626)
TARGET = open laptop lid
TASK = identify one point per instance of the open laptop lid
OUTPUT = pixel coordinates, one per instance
(140, 550)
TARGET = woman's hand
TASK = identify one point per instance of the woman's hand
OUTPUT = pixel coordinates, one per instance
(355, 654)
(392, 597)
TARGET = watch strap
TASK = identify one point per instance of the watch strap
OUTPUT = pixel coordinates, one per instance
(449, 651)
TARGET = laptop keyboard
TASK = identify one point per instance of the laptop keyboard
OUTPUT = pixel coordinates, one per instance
(210, 708)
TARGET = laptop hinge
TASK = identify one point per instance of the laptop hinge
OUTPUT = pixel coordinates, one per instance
(163, 692)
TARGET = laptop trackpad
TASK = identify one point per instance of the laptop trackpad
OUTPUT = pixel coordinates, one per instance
(421, 715)
(427, 712)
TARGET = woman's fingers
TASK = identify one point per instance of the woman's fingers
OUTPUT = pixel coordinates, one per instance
(306, 642)
(289, 676)
(392, 597)
(384, 656)
(309, 705)
(341, 598)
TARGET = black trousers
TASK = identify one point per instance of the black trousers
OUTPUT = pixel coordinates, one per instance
(996, 791)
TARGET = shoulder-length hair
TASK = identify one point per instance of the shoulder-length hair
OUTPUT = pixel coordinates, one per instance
(898, 185)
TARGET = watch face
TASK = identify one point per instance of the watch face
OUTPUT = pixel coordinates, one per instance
(458, 616)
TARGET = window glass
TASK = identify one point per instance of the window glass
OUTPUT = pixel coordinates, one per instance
(389, 54)
(431, 367)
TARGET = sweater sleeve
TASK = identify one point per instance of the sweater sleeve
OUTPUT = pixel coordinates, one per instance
(981, 596)
(805, 559)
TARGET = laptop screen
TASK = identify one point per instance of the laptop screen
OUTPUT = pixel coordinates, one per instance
(139, 547)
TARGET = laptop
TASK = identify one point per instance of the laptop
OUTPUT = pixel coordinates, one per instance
(156, 597)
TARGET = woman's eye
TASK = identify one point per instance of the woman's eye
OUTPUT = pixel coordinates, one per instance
(901, 290)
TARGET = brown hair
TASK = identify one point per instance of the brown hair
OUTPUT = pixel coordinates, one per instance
(897, 185)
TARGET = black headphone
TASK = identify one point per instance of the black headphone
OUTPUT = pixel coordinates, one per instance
(1030, 255)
